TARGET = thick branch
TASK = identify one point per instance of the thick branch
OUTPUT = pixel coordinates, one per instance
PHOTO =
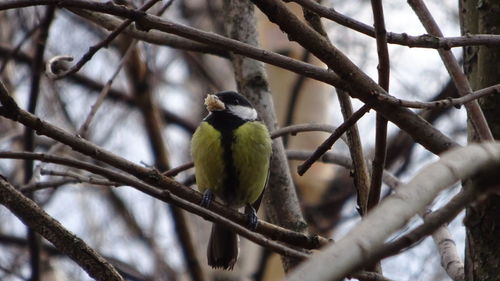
(364, 240)
(37, 219)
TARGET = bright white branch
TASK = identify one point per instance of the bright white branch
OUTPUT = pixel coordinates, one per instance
(359, 245)
(450, 261)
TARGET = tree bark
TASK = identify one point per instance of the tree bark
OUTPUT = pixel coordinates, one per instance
(280, 199)
(482, 65)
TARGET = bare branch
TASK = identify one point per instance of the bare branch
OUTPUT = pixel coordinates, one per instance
(11, 110)
(68, 243)
(422, 41)
(384, 71)
(271, 231)
(35, 186)
(368, 237)
(328, 143)
(113, 94)
(359, 83)
(152, 36)
(104, 43)
(420, 130)
(474, 111)
(344, 161)
(444, 103)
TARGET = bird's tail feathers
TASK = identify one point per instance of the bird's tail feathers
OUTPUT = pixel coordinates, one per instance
(222, 248)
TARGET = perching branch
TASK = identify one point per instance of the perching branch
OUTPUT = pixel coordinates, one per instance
(12, 111)
(269, 230)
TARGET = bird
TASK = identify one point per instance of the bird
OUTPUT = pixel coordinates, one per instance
(231, 151)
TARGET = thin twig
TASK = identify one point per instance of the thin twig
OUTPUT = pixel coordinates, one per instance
(29, 134)
(422, 41)
(35, 186)
(361, 174)
(474, 111)
(80, 178)
(328, 143)
(104, 43)
(82, 131)
(336, 158)
(384, 69)
(175, 171)
(164, 8)
(443, 103)
(152, 36)
(17, 48)
(92, 84)
(294, 95)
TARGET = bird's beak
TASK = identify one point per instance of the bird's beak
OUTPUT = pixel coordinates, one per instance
(213, 103)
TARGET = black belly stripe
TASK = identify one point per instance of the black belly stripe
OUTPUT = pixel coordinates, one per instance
(226, 124)
(231, 182)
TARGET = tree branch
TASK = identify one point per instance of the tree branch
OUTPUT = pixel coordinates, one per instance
(362, 86)
(150, 176)
(422, 41)
(368, 237)
(68, 243)
(474, 112)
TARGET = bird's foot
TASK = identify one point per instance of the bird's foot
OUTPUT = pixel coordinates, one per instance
(252, 218)
(208, 196)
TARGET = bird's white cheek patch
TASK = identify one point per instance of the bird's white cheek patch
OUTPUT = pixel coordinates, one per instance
(244, 112)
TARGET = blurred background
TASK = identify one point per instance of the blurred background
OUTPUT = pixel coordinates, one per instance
(152, 108)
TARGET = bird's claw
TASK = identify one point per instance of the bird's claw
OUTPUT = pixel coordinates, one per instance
(252, 218)
(207, 198)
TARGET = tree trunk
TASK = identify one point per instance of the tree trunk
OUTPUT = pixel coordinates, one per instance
(482, 65)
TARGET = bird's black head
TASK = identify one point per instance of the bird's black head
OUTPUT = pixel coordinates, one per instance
(233, 98)
(231, 103)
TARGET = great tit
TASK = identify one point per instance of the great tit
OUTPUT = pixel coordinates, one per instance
(231, 150)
